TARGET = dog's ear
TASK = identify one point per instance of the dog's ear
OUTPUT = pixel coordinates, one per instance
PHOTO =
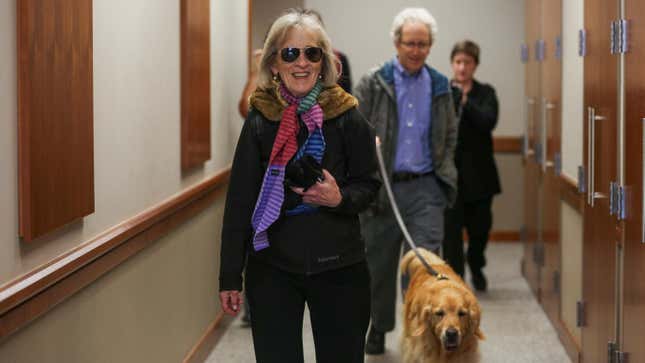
(479, 334)
(420, 321)
(475, 317)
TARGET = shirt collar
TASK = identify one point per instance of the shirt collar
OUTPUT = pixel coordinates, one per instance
(398, 68)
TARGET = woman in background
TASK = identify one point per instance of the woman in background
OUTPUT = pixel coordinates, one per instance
(478, 180)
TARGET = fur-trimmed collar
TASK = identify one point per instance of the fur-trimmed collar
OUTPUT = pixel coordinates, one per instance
(333, 101)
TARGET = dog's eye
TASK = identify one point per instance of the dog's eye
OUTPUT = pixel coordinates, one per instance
(462, 314)
(439, 313)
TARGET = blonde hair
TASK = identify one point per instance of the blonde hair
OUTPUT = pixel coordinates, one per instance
(414, 15)
(296, 19)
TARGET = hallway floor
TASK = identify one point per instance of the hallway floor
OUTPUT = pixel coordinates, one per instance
(516, 328)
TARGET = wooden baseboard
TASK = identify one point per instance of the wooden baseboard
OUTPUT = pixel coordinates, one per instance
(507, 144)
(34, 294)
(568, 342)
(199, 353)
(504, 236)
(500, 236)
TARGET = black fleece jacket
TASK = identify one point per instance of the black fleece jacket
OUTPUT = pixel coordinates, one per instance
(474, 158)
(305, 244)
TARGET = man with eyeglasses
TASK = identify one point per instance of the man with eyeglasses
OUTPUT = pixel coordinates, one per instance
(410, 105)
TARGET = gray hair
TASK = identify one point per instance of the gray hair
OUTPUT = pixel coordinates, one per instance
(414, 15)
(296, 19)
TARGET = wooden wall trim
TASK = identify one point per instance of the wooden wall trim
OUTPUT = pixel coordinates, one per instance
(569, 193)
(568, 342)
(507, 144)
(504, 236)
(500, 236)
(30, 296)
(200, 352)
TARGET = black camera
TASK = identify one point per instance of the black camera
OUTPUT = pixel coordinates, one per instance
(303, 172)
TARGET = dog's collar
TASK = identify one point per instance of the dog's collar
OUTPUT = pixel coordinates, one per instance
(442, 277)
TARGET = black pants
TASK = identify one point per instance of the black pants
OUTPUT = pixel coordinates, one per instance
(477, 218)
(339, 307)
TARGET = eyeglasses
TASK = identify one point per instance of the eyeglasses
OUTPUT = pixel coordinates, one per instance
(420, 45)
(313, 54)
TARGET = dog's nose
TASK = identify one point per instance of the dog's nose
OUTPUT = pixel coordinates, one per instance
(452, 334)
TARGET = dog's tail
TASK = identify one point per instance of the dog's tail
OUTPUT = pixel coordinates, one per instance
(410, 263)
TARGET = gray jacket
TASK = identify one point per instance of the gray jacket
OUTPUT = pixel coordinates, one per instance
(377, 102)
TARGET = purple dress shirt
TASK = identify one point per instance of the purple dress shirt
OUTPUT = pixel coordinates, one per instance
(414, 99)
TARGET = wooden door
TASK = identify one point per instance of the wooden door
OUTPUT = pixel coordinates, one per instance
(599, 251)
(550, 110)
(634, 250)
(530, 263)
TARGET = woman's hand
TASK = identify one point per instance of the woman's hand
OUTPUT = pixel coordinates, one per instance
(231, 301)
(325, 193)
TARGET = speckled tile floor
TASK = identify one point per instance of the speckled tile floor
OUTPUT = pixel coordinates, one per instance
(516, 328)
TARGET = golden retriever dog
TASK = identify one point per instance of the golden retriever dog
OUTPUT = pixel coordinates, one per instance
(441, 316)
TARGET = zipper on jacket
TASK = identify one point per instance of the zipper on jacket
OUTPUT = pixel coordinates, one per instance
(307, 256)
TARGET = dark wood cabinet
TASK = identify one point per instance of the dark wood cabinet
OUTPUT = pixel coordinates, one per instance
(633, 287)
(600, 237)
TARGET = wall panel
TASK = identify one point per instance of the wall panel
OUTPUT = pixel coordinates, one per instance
(195, 83)
(55, 114)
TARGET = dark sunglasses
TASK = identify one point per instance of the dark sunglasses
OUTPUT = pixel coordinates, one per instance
(313, 54)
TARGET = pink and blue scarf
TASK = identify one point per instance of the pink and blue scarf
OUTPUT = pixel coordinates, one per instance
(269, 203)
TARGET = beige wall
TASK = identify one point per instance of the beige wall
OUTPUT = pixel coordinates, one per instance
(361, 28)
(498, 27)
(152, 308)
(572, 229)
(136, 117)
(572, 88)
(156, 305)
(9, 251)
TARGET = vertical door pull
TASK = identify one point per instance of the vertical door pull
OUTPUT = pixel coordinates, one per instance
(529, 121)
(643, 183)
(613, 205)
(590, 152)
(592, 195)
(546, 108)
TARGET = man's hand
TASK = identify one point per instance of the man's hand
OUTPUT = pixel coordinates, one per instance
(231, 301)
(325, 193)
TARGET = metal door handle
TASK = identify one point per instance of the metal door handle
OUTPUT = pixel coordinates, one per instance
(592, 195)
(529, 113)
(589, 151)
(546, 107)
(643, 185)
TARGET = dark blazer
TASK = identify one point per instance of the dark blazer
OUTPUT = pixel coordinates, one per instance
(478, 178)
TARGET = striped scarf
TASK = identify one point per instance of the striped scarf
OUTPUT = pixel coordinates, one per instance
(269, 203)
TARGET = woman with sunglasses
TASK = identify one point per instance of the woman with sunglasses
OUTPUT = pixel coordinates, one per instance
(304, 167)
